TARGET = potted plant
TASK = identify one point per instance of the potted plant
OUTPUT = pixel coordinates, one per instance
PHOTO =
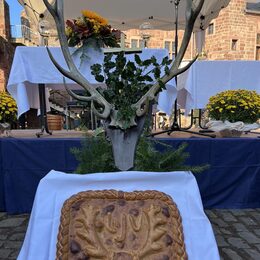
(8, 111)
(233, 106)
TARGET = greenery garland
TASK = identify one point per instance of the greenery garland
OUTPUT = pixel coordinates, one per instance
(96, 156)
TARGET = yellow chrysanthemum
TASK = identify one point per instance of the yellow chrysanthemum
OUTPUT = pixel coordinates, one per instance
(7, 107)
(68, 31)
(80, 22)
(235, 105)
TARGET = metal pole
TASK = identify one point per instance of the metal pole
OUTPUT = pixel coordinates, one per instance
(175, 115)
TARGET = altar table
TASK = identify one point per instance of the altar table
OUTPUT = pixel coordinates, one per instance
(56, 187)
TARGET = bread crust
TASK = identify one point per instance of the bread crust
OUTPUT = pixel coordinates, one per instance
(110, 224)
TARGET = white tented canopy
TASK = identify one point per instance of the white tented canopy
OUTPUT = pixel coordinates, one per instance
(130, 14)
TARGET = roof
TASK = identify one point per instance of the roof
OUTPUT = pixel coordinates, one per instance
(125, 14)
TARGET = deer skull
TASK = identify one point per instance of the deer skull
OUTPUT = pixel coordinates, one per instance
(108, 111)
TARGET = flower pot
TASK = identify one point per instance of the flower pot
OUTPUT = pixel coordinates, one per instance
(55, 122)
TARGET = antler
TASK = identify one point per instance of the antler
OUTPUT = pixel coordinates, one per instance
(56, 10)
(192, 11)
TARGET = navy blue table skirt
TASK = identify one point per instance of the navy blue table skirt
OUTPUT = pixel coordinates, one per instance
(233, 180)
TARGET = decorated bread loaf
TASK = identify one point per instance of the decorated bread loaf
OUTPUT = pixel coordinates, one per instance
(118, 225)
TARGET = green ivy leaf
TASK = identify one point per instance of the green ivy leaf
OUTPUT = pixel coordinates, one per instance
(147, 62)
(148, 78)
(108, 57)
(167, 70)
(154, 61)
(99, 78)
(96, 69)
(138, 60)
(165, 61)
(157, 72)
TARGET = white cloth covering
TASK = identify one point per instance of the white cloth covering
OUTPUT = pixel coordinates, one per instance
(217, 125)
(207, 78)
(32, 65)
(56, 187)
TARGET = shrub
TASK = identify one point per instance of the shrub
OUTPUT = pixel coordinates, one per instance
(235, 105)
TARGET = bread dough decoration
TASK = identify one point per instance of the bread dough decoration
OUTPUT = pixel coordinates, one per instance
(116, 225)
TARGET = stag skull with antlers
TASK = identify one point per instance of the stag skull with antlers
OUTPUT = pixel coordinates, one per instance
(124, 141)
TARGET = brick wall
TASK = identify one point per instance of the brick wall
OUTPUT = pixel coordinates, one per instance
(235, 24)
(158, 38)
(6, 48)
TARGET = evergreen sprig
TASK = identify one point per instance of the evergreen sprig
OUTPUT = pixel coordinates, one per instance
(96, 156)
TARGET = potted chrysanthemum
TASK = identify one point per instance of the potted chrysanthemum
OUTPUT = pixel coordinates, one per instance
(237, 110)
(8, 111)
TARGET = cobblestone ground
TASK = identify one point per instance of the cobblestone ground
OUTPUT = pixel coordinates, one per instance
(237, 233)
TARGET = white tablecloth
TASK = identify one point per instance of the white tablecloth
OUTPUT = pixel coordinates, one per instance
(56, 187)
(32, 65)
(207, 78)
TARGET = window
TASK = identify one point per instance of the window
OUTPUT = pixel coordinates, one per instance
(258, 39)
(211, 28)
(167, 45)
(134, 43)
(137, 43)
(141, 44)
(234, 44)
(170, 46)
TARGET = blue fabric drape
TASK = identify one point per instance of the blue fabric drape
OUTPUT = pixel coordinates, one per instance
(232, 181)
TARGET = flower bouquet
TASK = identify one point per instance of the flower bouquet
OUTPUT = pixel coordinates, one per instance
(91, 27)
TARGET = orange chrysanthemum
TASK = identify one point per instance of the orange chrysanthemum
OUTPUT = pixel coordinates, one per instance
(93, 15)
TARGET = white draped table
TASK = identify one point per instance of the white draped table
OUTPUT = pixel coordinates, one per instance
(32, 66)
(207, 78)
(56, 187)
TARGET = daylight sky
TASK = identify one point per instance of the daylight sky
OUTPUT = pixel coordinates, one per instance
(15, 11)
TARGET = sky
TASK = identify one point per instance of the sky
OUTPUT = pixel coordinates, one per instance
(15, 11)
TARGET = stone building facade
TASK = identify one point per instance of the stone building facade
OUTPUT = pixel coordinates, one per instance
(235, 33)
(6, 48)
(159, 39)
